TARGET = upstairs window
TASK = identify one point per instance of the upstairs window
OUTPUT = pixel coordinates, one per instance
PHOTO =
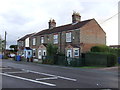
(42, 39)
(55, 39)
(34, 41)
(68, 37)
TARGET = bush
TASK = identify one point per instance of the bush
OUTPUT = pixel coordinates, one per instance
(5, 57)
(48, 60)
(51, 49)
(74, 63)
(115, 51)
(100, 48)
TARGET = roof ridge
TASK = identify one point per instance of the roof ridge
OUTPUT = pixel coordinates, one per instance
(62, 26)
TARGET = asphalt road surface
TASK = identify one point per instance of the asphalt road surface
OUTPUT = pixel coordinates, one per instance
(17, 74)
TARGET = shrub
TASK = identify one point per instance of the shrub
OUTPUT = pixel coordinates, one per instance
(5, 57)
(100, 48)
(51, 50)
(48, 60)
(115, 51)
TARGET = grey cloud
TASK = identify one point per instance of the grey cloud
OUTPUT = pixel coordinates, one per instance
(15, 18)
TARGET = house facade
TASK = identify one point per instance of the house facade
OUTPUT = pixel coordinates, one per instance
(24, 43)
(71, 39)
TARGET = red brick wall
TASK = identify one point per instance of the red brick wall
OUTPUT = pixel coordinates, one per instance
(87, 46)
(92, 34)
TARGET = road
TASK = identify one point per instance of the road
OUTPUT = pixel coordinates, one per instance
(16, 74)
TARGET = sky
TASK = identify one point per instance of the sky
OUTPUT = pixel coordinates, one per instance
(21, 17)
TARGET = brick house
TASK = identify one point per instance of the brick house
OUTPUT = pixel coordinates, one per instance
(72, 39)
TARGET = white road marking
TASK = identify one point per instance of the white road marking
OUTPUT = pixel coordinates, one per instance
(38, 72)
(5, 68)
(16, 72)
(34, 81)
(66, 78)
(47, 78)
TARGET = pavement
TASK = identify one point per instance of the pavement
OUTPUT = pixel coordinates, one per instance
(17, 74)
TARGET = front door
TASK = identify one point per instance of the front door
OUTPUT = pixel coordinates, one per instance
(44, 52)
(39, 54)
(69, 53)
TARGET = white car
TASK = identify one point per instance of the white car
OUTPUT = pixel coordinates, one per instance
(22, 55)
(12, 55)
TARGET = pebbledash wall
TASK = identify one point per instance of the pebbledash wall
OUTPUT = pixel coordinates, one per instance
(82, 34)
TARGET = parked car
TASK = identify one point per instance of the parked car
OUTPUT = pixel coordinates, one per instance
(12, 55)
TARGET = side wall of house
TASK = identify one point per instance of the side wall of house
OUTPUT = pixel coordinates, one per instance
(21, 46)
(90, 35)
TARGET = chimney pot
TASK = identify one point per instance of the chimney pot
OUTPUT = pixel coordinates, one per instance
(52, 23)
(76, 17)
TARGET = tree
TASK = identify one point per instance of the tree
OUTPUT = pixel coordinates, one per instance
(14, 48)
(51, 50)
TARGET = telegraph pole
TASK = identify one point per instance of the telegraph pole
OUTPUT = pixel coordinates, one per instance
(5, 42)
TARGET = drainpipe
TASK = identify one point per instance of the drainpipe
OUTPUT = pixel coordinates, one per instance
(60, 42)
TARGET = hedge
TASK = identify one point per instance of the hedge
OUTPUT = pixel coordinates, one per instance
(100, 48)
(100, 59)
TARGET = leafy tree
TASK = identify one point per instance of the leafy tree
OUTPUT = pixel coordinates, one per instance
(14, 48)
(51, 50)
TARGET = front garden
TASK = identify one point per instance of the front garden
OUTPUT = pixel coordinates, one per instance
(99, 56)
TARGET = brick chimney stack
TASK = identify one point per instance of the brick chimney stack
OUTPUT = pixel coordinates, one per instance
(52, 23)
(76, 17)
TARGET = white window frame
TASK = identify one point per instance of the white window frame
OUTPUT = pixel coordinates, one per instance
(27, 42)
(42, 39)
(55, 39)
(68, 37)
(69, 53)
(34, 41)
(77, 52)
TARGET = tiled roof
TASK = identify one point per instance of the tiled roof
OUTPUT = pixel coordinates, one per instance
(26, 36)
(63, 28)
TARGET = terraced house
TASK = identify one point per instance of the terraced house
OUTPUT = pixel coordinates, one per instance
(72, 39)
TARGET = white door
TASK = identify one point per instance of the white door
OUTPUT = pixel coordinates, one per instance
(44, 52)
(69, 53)
(39, 54)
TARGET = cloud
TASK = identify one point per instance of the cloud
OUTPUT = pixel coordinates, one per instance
(15, 18)
(20, 17)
